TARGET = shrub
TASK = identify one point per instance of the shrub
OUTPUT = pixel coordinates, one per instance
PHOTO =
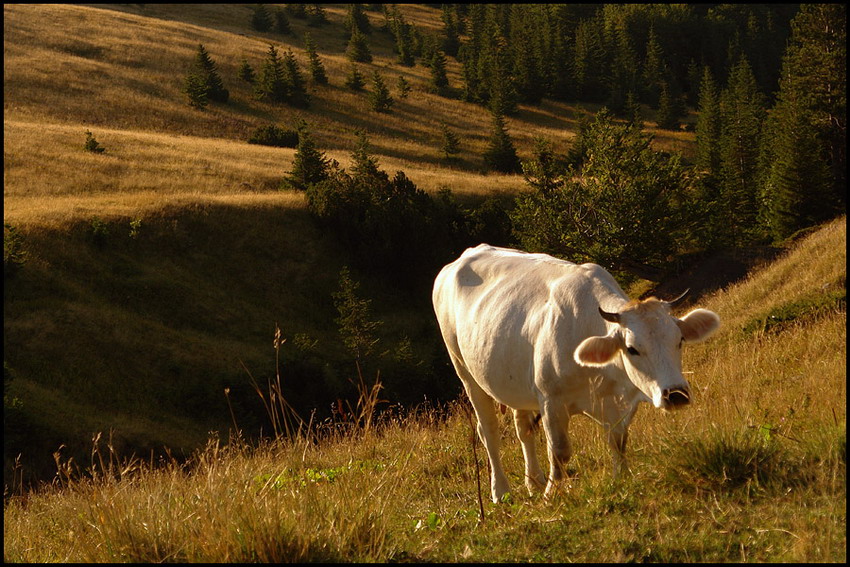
(273, 135)
(730, 460)
(92, 145)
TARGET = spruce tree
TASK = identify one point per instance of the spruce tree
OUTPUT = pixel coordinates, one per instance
(316, 16)
(358, 48)
(667, 116)
(296, 88)
(708, 160)
(543, 172)
(354, 80)
(742, 116)
(403, 39)
(798, 181)
(501, 154)
(205, 68)
(196, 89)
(261, 20)
(814, 72)
(439, 79)
(357, 19)
(246, 72)
(451, 143)
(317, 69)
(451, 42)
(379, 98)
(403, 87)
(271, 84)
(804, 146)
(309, 165)
(282, 22)
(708, 126)
(363, 164)
(654, 70)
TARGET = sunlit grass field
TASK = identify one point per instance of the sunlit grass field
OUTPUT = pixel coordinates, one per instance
(753, 471)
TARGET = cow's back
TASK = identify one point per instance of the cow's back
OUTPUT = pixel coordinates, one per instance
(504, 313)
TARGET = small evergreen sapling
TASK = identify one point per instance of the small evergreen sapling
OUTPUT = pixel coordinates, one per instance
(92, 145)
(380, 98)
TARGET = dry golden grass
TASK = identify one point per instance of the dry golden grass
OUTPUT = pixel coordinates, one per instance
(118, 71)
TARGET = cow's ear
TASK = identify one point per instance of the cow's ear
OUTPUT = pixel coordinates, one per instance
(597, 351)
(698, 325)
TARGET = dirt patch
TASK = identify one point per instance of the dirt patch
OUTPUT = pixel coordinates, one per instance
(708, 273)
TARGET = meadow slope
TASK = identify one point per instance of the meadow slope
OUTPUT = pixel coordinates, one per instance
(753, 471)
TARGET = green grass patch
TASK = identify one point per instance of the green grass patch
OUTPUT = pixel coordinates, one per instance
(780, 317)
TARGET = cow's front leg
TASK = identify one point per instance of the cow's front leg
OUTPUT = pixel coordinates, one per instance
(616, 418)
(524, 421)
(555, 424)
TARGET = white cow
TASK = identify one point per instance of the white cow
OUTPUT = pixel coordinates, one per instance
(543, 335)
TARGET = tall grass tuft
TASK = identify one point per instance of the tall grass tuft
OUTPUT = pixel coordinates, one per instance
(728, 459)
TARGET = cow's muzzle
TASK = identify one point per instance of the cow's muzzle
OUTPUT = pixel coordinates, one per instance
(675, 398)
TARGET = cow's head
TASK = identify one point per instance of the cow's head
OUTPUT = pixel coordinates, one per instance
(648, 340)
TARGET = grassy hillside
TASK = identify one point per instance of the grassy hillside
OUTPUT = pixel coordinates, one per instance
(753, 471)
(157, 271)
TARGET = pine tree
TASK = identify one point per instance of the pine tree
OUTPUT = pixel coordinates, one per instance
(501, 154)
(798, 182)
(261, 20)
(804, 145)
(439, 79)
(196, 89)
(403, 33)
(654, 69)
(380, 99)
(205, 68)
(358, 48)
(309, 165)
(271, 85)
(543, 172)
(632, 110)
(742, 115)
(317, 69)
(451, 43)
(708, 126)
(403, 87)
(355, 80)
(316, 16)
(296, 91)
(246, 72)
(451, 143)
(357, 19)
(282, 22)
(363, 164)
(355, 324)
(667, 116)
(708, 161)
(815, 69)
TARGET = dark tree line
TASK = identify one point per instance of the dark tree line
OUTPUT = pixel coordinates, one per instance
(768, 83)
(605, 52)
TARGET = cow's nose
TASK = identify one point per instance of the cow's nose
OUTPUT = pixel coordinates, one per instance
(676, 397)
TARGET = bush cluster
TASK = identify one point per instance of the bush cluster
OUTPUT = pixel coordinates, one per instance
(273, 135)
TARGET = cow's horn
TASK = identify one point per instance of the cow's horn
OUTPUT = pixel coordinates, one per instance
(612, 317)
(678, 299)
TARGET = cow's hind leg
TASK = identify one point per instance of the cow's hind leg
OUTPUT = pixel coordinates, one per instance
(525, 422)
(488, 429)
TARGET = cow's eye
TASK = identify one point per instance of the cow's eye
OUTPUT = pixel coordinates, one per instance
(633, 351)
